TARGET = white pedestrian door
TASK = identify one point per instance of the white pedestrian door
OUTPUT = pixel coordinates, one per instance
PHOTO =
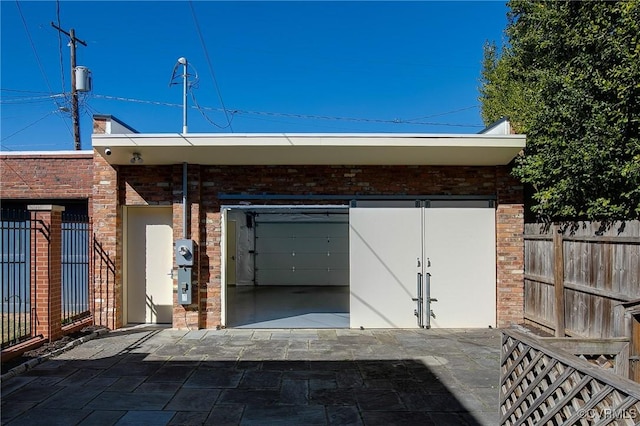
(149, 265)
(422, 267)
(385, 250)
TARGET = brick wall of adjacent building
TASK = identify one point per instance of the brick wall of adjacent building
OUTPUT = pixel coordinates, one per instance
(46, 176)
(162, 185)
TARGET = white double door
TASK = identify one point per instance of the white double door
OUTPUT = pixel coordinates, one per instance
(445, 255)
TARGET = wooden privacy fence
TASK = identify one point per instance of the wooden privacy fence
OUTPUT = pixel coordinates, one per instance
(541, 384)
(585, 271)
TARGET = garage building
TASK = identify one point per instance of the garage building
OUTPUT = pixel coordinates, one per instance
(308, 230)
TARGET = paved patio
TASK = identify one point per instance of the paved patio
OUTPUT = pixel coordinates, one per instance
(151, 376)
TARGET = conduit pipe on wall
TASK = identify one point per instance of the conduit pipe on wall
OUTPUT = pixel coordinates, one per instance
(184, 200)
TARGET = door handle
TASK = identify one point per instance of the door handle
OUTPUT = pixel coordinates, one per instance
(428, 299)
(418, 312)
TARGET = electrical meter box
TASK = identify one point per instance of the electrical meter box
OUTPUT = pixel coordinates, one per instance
(184, 259)
(184, 285)
(184, 252)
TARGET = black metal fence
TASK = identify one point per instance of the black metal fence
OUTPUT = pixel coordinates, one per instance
(76, 237)
(16, 252)
(104, 277)
(19, 264)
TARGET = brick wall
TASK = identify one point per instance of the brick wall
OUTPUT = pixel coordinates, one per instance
(378, 180)
(509, 249)
(149, 185)
(162, 185)
(107, 229)
(46, 176)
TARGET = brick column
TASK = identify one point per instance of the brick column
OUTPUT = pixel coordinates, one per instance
(46, 267)
(107, 246)
(509, 249)
(188, 316)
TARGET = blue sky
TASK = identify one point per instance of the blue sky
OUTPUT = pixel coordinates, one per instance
(401, 67)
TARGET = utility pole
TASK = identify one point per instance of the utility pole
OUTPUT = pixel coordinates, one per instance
(75, 114)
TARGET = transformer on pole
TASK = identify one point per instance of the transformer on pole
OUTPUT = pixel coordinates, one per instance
(85, 86)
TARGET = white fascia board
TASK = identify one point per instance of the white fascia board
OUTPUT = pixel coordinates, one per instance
(279, 149)
(381, 140)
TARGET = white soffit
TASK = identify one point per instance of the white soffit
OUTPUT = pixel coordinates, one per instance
(311, 149)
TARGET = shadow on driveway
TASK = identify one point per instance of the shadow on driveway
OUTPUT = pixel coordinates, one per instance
(260, 377)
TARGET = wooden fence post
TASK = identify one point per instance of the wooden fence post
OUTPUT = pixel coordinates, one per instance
(558, 280)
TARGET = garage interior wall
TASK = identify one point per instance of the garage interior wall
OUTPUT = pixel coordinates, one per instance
(244, 246)
(291, 247)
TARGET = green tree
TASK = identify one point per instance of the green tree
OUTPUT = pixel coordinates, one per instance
(569, 77)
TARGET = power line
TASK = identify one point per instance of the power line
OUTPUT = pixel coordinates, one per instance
(30, 99)
(62, 79)
(35, 53)
(354, 119)
(445, 113)
(88, 109)
(315, 125)
(292, 115)
(33, 47)
(140, 101)
(75, 115)
(23, 91)
(206, 117)
(206, 54)
(27, 126)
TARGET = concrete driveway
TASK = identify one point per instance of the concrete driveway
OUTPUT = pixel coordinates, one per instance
(154, 376)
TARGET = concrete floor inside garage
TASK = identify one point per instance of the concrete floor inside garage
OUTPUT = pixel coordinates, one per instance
(288, 306)
(286, 267)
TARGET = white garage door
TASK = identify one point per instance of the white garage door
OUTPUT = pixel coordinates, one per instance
(449, 251)
(386, 247)
(302, 253)
(460, 246)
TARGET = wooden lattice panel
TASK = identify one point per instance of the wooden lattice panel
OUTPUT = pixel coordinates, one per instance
(547, 386)
(608, 362)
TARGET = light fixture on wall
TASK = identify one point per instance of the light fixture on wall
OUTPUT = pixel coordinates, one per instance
(136, 158)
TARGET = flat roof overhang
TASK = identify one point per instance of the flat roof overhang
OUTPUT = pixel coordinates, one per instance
(311, 149)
